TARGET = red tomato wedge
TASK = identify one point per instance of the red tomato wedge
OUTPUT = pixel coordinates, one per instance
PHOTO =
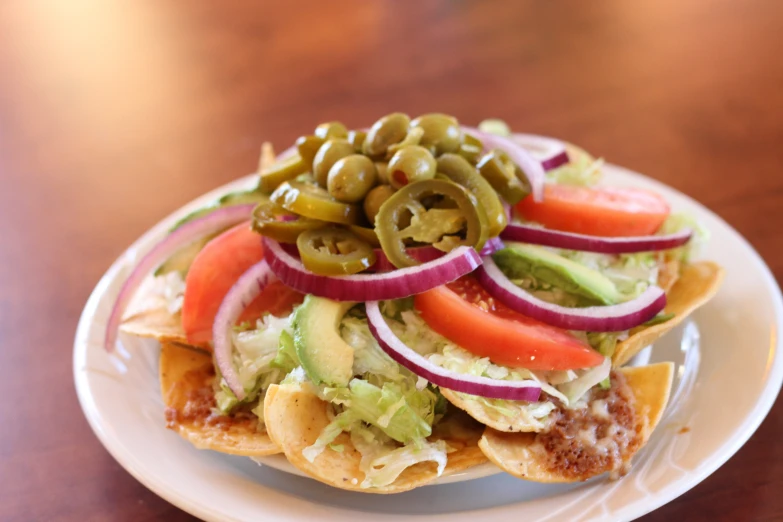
(215, 270)
(465, 313)
(607, 211)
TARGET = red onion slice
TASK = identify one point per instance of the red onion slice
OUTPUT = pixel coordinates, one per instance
(397, 284)
(492, 245)
(460, 382)
(549, 151)
(614, 318)
(604, 245)
(530, 165)
(248, 287)
(212, 223)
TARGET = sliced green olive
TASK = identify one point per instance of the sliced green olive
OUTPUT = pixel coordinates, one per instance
(331, 151)
(441, 131)
(504, 176)
(351, 178)
(356, 138)
(332, 129)
(375, 198)
(334, 251)
(412, 138)
(275, 222)
(471, 148)
(404, 216)
(314, 202)
(308, 147)
(280, 171)
(387, 131)
(461, 172)
(366, 234)
(411, 164)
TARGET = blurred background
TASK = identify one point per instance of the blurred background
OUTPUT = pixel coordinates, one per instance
(113, 114)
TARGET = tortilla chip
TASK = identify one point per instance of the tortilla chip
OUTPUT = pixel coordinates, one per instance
(267, 156)
(512, 453)
(295, 418)
(186, 379)
(668, 273)
(150, 317)
(697, 284)
(515, 420)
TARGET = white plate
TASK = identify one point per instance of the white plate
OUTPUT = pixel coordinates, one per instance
(728, 378)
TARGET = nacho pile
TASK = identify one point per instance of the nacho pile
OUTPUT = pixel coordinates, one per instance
(388, 394)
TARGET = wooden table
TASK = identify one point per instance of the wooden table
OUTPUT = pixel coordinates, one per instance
(114, 114)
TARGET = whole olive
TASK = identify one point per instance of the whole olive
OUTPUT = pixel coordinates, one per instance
(389, 130)
(411, 164)
(308, 147)
(331, 151)
(356, 138)
(351, 178)
(441, 131)
(332, 129)
(374, 199)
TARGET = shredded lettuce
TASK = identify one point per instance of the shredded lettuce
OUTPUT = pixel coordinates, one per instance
(263, 356)
(286, 358)
(382, 464)
(678, 221)
(576, 389)
(582, 171)
(368, 357)
(401, 411)
(332, 430)
(254, 350)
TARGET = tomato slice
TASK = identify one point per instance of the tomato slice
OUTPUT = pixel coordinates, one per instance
(465, 313)
(215, 270)
(607, 211)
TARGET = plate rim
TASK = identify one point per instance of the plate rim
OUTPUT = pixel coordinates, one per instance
(729, 447)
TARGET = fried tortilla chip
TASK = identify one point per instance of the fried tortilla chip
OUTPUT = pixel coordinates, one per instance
(186, 384)
(517, 454)
(697, 284)
(295, 418)
(512, 416)
(149, 317)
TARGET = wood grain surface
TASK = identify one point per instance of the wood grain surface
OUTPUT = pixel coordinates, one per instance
(113, 114)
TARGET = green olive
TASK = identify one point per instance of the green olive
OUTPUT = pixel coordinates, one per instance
(351, 178)
(374, 199)
(387, 131)
(413, 138)
(332, 129)
(356, 138)
(331, 151)
(411, 164)
(383, 172)
(441, 131)
(308, 147)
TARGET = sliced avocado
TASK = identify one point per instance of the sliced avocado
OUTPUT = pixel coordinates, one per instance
(232, 198)
(325, 356)
(182, 258)
(518, 260)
